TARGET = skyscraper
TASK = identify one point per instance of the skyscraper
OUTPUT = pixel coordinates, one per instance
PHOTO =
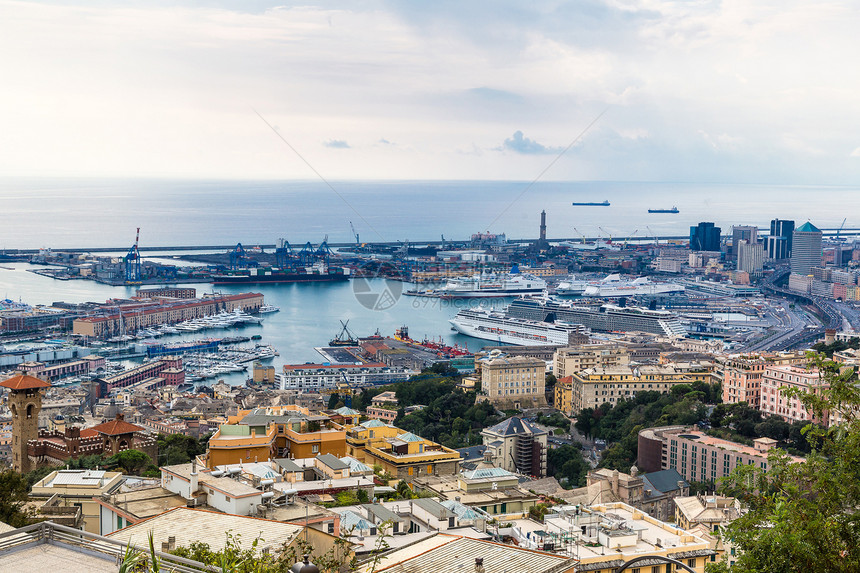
(779, 241)
(750, 257)
(705, 237)
(742, 233)
(805, 249)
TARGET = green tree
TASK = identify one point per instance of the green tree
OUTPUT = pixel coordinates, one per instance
(13, 495)
(132, 462)
(333, 400)
(803, 516)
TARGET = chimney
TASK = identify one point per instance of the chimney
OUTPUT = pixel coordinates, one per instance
(194, 483)
(479, 565)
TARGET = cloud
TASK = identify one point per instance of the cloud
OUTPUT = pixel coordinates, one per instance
(856, 152)
(521, 144)
(337, 144)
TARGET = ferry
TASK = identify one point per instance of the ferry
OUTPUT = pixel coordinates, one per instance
(614, 286)
(498, 327)
(487, 285)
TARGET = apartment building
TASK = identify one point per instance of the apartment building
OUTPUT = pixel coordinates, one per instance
(516, 380)
(742, 374)
(574, 359)
(696, 455)
(592, 387)
(776, 380)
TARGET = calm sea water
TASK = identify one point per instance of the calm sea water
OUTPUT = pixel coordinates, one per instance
(95, 213)
(310, 313)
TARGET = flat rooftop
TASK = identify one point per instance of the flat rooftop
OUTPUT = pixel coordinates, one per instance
(47, 557)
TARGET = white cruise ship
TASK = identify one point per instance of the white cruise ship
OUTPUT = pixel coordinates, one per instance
(487, 285)
(498, 327)
(573, 286)
(615, 286)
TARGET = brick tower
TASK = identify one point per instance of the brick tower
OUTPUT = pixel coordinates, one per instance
(25, 402)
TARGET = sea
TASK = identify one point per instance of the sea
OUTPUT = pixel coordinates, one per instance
(85, 213)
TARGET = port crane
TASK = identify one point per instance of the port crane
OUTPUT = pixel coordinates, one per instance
(656, 240)
(580, 234)
(239, 259)
(607, 233)
(630, 237)
(357, 242)
(132, 262)
(837, 253)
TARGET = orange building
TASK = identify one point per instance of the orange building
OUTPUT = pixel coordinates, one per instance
(276, 431)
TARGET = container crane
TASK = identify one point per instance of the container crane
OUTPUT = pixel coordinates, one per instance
(580, 234)
(357, 242)
(656, 240)
(630, 237)
(132, 262)
(607, 233)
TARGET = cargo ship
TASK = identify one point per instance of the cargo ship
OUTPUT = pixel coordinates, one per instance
(604, 203)
(265, 275)
(673, 210)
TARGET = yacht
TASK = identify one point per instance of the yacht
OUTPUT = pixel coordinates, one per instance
(268, 309)
(487, 285)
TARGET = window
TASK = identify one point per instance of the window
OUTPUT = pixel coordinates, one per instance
(315, 448)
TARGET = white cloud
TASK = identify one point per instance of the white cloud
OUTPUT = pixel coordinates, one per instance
(162, 89)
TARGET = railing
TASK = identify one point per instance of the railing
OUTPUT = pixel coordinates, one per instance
(51, 533)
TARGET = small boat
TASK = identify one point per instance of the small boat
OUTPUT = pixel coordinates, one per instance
(673, 210)
(268, 308)
(604, 203)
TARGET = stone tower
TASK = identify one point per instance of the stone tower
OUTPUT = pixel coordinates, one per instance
(25, 402)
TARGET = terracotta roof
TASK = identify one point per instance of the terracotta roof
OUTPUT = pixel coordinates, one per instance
(24, 382)
(116, 427)
(89, 433)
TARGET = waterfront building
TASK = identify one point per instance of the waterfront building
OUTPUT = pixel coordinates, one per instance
(593, 386)
(119, 319)
(779, 240)
(87, 365)
(742, 233)
(516, 445)
(696, 455)
(806, 249)
(705, 237)
(518, 381)
(314, 377)
(742, 374)
(166, 371)
(25, 402)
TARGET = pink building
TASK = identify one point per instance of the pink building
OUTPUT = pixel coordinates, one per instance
(742, 375)
(775, 402)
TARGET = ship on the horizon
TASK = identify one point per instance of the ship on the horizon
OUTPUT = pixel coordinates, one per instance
(604, 203)
(672, 210)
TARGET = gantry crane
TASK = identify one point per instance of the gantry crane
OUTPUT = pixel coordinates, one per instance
(132, 261)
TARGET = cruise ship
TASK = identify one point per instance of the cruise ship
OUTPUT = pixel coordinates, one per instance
(498, 327)
(615, 286)
(605, 318)
(573, 286)
(487, 285)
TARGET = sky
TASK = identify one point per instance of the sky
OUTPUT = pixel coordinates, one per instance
(623, 90)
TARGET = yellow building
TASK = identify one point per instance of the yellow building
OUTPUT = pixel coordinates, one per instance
(594, 386)
(401, 454)
(276, 431)
(515, 380)
(77, 488)
(576, 358)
